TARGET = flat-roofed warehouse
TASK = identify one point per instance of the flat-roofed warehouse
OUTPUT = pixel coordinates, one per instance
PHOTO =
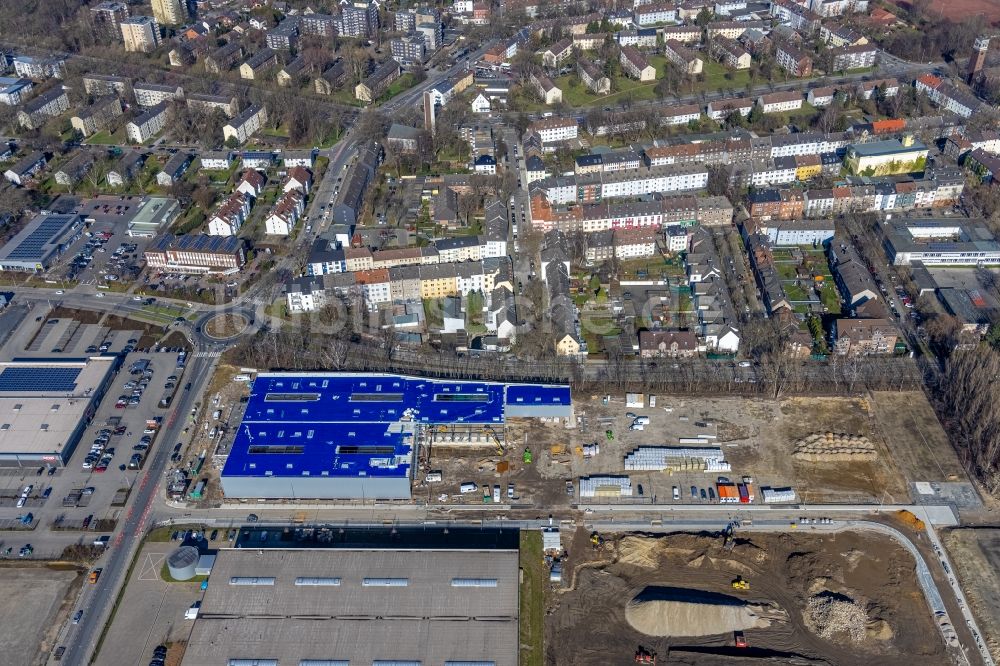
(353, 436)
(358, 606)
(39, 242)
(46, 404)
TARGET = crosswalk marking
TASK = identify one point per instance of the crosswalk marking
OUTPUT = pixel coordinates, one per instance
(202, 354)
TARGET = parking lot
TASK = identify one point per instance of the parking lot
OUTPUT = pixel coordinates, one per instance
(151, 611)
(89, 493)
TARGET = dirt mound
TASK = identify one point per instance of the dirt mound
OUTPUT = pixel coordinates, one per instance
(667, 611)
(832, 615)
(834, 447)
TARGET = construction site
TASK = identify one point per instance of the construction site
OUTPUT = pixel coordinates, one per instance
(814, 450)
(684, 598)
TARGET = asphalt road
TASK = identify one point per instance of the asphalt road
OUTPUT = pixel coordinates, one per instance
(97, 600)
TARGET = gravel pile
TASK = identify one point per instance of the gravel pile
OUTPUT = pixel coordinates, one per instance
(835, 616)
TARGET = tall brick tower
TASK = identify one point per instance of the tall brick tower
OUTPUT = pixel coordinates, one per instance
(980, 48)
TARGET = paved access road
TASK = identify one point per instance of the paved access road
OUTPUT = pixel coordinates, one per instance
(97, 600)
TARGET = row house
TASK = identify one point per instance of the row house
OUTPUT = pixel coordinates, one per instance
(25, 168)
(684, 210)
(230, 216)
(780, 102)
(127, 168)
(821, 97)
(776, 204)
(947, 96)
(299, 179)
(720, 109)
(864, 337)
(680, 114)
(887, 88)
(285, 214)
(174, 169)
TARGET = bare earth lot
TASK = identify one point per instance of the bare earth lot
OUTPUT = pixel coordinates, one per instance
(758, 437)
(975, 553)
(586, 625)
(35, 598)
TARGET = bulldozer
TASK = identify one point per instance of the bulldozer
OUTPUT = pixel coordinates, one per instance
(740, 584)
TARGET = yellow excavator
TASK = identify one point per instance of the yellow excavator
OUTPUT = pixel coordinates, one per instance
(740, 584)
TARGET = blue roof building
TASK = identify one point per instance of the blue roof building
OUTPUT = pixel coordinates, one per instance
(354, 436)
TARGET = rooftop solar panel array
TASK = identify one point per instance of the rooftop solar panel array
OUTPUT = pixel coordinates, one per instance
(40, 380)
(31, 246)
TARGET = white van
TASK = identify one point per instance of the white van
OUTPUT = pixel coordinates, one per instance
(676, 493)
(641, 420)
(468, 487)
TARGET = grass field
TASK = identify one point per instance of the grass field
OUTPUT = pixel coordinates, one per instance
(532, 610)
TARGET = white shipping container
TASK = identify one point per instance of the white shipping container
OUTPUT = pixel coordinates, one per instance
(468, 487)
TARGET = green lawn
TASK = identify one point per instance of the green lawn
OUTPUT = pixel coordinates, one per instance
(399, 85)
(830, 297)
(575, 93)
(795, 292)
(105, 138)
(532, 628)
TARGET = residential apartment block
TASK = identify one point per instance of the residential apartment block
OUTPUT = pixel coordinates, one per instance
(246, 124)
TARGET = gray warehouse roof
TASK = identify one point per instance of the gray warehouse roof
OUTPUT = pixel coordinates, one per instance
(344, 604)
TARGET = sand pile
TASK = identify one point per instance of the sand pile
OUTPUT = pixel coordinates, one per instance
(661, 611)
(833, 615)
(833, 447)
